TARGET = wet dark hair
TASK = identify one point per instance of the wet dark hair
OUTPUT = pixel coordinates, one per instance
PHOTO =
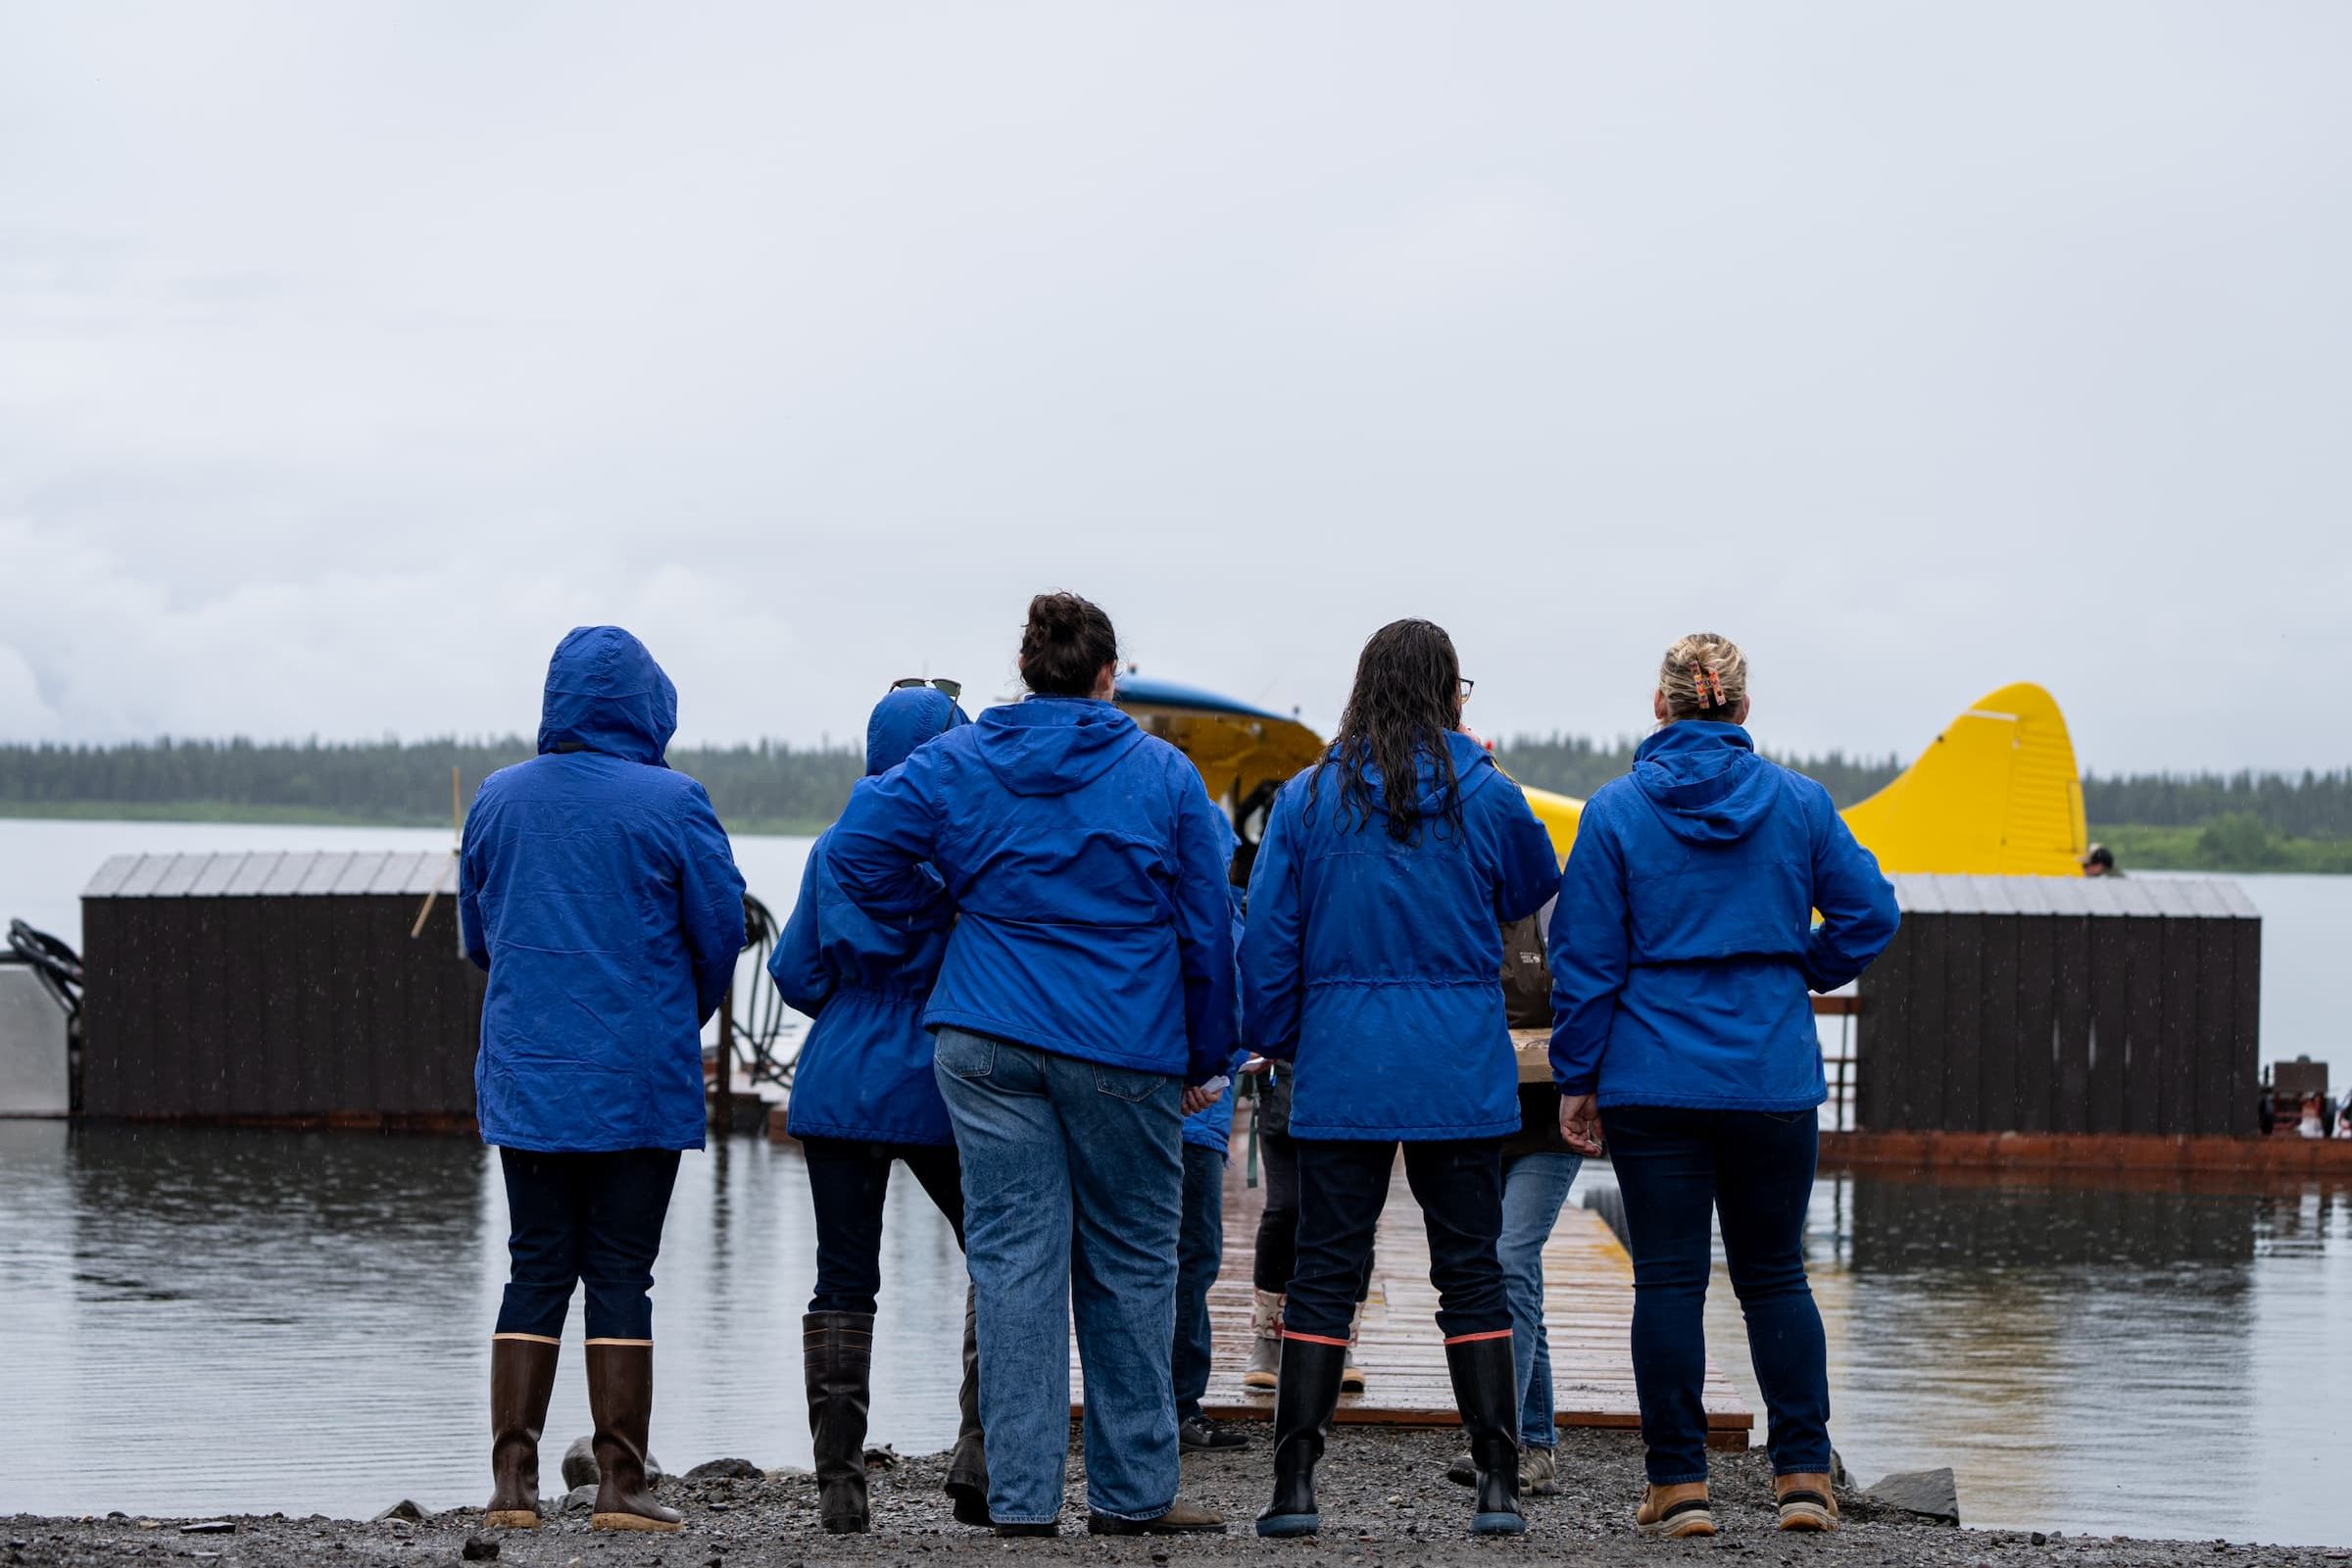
(1065, 645)
(1404, 705)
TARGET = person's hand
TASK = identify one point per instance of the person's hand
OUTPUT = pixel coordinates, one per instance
(1580, 1124)
(1256, 1067)
(1199, 1100)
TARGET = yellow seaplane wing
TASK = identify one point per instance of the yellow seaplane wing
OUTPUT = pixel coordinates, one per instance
(1245, 754)
(1996, 794)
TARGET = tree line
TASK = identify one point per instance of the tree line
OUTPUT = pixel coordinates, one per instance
(777, 785)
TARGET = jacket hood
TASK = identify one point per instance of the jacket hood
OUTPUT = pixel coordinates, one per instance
(902, 720)
(1705, 781)
(1054, 745)
(1473, 766)
(606, 693)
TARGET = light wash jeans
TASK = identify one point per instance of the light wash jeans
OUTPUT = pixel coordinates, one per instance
(1535, 1188)
(1072, 1199)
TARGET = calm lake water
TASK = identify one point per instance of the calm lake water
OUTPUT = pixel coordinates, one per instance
(315, 1307)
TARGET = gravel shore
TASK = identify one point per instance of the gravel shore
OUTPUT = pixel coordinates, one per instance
(1383, 1494)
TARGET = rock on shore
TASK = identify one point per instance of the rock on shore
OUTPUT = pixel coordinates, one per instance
(1384, 1494)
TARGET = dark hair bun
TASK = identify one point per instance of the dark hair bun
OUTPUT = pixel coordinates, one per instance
(1065, 645)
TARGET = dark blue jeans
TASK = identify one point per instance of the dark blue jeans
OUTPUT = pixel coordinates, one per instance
(1678, 1170)
(848, 1183)
(1200, 1250)
(1343, 1186)
(584, 1219)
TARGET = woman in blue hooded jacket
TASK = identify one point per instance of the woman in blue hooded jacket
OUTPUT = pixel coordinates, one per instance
(598, 888)
(1088, 978)
(1370, 963)
(1682, 950)
(864, 1099)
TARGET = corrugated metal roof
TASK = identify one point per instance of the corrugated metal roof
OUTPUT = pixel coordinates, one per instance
(2178, 898)
(275, 874)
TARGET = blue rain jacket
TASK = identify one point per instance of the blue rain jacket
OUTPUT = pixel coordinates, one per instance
(1375, 966)
(1683, 943)
(865, 1071)
(1088, 868)
(599, 890)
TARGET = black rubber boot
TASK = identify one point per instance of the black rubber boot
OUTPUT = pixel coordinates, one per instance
(837, 1351)
(968, 1465)
(1487, 1391)
(522, 1374)
(620, 1399)
(1304, 1401)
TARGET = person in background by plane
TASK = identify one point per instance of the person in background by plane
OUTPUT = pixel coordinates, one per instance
(1370, 964)
(1087, 981)
(1682, 950)
(2100, 861)
(1275, 1252)
(599, 891)
(863, 1097)
(1201, 1239)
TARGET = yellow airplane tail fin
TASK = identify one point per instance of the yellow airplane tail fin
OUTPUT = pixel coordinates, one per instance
(1996, 794)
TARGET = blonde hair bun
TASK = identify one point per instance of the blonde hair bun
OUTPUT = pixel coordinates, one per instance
(1703, 675)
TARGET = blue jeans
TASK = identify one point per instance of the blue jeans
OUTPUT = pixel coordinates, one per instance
(1072, 1199)
(584, 1219)
(1535, 1188)
(1678, 1170)
(1200, 1250)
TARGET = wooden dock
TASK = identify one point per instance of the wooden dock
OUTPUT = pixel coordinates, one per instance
(1588, 1314)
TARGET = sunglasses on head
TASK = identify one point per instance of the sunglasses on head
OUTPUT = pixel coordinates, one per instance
(950, 689)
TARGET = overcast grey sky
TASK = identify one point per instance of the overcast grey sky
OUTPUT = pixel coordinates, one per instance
(349, 353)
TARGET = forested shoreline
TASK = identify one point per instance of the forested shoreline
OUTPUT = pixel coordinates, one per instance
(2212, 821)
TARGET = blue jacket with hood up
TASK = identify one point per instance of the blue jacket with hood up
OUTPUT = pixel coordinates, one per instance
(1683, 943)
(1088, 868)
(1376, 966)
(599, 890)
(865, 1071)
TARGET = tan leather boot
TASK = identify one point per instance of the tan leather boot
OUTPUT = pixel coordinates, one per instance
(1669, 1512)
(621, 1398)
(522, 1374)
(1806, 1501)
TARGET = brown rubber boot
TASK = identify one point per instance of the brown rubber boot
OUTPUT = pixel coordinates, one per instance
(1669, 1512)
(620, 1399)
(522, 1374)
(1806, 1502)
(836, 1353)
(968, 1465)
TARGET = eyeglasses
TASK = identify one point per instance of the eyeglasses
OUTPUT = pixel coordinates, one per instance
(1466, 684)
(950, 689)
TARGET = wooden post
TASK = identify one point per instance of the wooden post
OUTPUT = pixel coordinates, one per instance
(722, 1078)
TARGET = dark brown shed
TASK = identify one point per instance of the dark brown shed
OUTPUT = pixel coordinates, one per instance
(269, 987)
(2046, 1004)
